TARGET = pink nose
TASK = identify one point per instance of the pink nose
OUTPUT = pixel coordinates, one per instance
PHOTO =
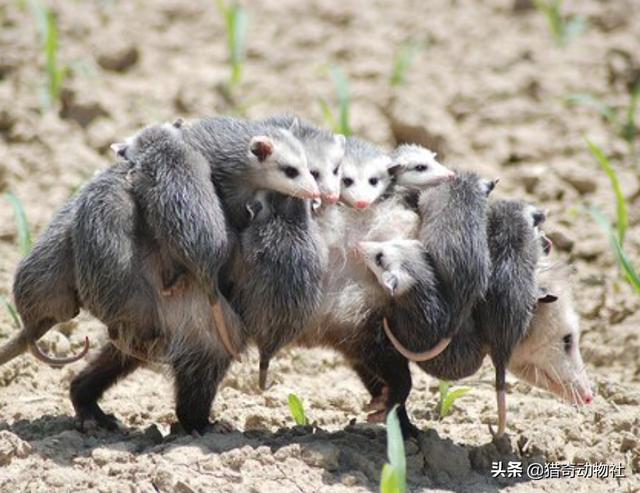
(451, 176)
(331, 198)
(587, 398)
(362, 204)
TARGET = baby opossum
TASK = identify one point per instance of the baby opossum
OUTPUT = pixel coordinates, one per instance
(249, 156)
(279, 279)
(324, 150)
(365, 175)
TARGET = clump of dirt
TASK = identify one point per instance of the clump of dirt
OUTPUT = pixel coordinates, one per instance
(486, 91)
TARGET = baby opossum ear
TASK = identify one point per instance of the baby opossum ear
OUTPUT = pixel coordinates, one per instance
(390, 282)
(295, 125)
(544, 296)
(120, 149)
(489, 185)
(394, 169)
(340, 140)
(178, 123)
(261, 147)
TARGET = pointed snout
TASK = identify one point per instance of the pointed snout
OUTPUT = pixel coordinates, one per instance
(330, 198)
(450, 176)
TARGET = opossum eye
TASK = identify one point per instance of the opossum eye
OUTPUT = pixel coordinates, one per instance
(336, 169)
(379, 256)
(347, 182)
(290, 171)
(374, 181)
(315, 174)
(568, 342)
(421, 167)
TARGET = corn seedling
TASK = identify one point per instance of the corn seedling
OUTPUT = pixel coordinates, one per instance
(394, 473)
(449, 396)
(297, 410)
(340, 124)
(564, 29)
(615, 238)
(623, 120)
(11, 310)
(236, 21)
(402, 62)
(48, 29)
(24, 236)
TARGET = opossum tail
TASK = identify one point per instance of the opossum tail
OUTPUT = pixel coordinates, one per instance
(224, 317)
(411, 355)
(19, 344)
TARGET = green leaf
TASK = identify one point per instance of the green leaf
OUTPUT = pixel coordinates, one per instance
(12, 311)
(402, 63)
(449, 396)
(395, 448)
(621, 204)
(297, 410)
(627, 267)
(327, 115)
(24, 236)
(389, 480)
(344, 99)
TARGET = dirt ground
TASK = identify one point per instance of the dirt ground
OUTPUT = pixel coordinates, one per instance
(487, 91)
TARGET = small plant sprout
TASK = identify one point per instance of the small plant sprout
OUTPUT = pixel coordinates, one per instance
(24, 236)
(11, 310)
(48, 29)
(341, 124)
(394, 473)
(448, 397)
(235, 20)
(402, 62)
(616, 238)
(297, 410)
(564, 29)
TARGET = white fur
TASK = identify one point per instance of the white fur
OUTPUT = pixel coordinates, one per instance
(361, 191)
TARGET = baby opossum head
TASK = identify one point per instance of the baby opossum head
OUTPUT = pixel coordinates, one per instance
(392, 262)
(415, 167)
(365, 175)
(325, 159)
(146, 139)
(549, 355)
(281, 163)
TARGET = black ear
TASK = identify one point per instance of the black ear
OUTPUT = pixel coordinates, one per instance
(544, 296)
(178, 123)
(120, 148)
(489, 185)
(538, 217)
(394, 169)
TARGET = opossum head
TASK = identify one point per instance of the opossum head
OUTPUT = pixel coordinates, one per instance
(280, 164)
(364, 174)
(549, 355)
(325, 158)
(392, 263)
(416, 168)
(151, 137)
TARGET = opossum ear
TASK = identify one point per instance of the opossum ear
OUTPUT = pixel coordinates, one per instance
(340, 140)
(295, 125)
(488, 185)
(394, 169)
(261, 147)
(544, 296)
(390, 282)
(120, 148)
(178, 123)
(538, 217)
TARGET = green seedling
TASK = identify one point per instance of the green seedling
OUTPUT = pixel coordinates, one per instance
(621, 204)
(48, 29)
(394, 473)
(449, 396)
(402, 62)
(11, 310)
(341, 124)
(24, 236)
(297, 410)
(236, 22)
(564, 29)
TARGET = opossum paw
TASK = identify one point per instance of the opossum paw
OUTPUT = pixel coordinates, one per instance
(93, 414)
(223, 427)
(378, 403)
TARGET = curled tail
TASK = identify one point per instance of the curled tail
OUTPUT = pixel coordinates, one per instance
(39, 355)
(20, 344)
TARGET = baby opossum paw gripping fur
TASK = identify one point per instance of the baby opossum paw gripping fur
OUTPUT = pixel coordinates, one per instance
(209, 235)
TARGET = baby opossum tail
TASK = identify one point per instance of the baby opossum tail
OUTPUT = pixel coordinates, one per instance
(411, 355)
(222, 314)
(20, 344)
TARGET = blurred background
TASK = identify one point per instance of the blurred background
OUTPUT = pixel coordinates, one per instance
(542, 94)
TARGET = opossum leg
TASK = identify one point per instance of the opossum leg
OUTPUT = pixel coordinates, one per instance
(264, 370)
(370, 380)
(411, 355)
(197, 376)
(89, 385)
(378, 403)
(39, 355)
